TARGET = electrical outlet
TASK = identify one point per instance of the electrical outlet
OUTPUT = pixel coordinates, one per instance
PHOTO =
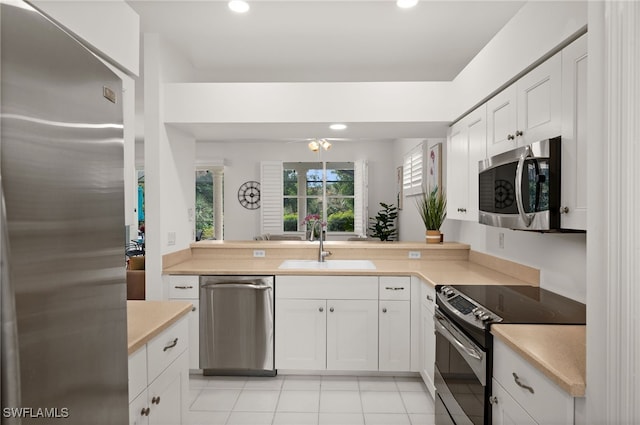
(171, 238)
(501, 240)
(414, 254)
(259, 253)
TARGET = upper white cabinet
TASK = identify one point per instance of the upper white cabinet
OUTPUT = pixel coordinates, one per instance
(527, 111)
(466, 147)
(574, 135)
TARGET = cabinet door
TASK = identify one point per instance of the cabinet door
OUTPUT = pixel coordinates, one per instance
(476, 123)
(168, 394)
(138, 410)
(194, 335)
(502, 121)
(301, 333)
(428, 349)
(540, 102)
(506, 411)
(352, 335)
(457, 172)
(395, 336)
(574, 136)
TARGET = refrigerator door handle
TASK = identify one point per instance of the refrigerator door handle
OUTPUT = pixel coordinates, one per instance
(10, 350)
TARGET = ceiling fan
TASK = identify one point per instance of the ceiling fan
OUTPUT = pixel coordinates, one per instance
(315, 144)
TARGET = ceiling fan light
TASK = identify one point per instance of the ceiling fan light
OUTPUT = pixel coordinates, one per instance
(314, 145)
(406, 4)
(325, 144)
(238, 6)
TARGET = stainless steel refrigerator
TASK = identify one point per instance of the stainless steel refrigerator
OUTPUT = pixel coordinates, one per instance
(64, 330)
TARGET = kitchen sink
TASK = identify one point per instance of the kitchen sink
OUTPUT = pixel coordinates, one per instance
(328, 265)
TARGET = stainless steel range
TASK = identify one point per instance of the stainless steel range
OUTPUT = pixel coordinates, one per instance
(464, 360)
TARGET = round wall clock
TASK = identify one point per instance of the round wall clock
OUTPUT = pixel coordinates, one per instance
(249, 195)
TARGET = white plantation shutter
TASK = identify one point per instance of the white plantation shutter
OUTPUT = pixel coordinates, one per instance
(412, 169)
(271, 197)
(361, 201)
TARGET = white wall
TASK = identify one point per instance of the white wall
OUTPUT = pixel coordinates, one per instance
(242, 163)
(307, 102)
(169, 158)
(111, 28)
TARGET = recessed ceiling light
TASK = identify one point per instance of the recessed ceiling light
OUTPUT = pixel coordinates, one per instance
(239, 6)
(405, 4)
(338, 126)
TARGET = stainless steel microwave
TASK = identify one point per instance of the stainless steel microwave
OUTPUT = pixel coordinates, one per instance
(520, 188)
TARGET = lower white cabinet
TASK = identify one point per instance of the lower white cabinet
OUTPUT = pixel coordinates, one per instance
(395, 336)
(427, 337)
(301, 334)
(186, 288)
(159, 378)
(352, 335)
(523, 395)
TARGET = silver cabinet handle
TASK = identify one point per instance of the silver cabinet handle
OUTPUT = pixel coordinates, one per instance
(493, 400)
(429, 298)
(463, 210)
(384, 309)
(564, 210)
(394, 288)
(193, 309)
(184, 287)
(171, 345)
(145, 411)
(519, 133)
(155, 400)
(321, 309)
(521, 385)
(510, 137)
(331, 309)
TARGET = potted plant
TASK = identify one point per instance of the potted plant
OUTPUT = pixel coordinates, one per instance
(383, 225)
(432, 207)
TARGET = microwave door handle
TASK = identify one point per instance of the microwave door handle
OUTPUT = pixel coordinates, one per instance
(527, 219)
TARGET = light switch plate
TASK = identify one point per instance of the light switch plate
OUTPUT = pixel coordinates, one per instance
(259, 253)
(414, 255)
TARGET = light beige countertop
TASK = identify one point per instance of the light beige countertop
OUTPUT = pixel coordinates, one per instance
(558, 351)
(146, 319)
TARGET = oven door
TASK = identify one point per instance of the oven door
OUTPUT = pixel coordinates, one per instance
(460, 376)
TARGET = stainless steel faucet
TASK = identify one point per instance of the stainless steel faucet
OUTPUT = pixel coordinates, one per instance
(321, 252)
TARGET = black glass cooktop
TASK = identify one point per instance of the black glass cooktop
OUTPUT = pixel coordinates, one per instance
(526, 304)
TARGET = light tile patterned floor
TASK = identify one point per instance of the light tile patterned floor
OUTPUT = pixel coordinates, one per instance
(309, 400)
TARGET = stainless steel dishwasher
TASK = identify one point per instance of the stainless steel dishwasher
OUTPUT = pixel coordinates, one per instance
(236, 325)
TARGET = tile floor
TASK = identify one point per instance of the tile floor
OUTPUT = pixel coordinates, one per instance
(309, 400)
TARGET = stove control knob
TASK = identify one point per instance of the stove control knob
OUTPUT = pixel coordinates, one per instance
(484, 317)
(477, 312)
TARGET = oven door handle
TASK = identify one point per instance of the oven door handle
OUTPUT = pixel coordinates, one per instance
(526, 218)
(452, 339)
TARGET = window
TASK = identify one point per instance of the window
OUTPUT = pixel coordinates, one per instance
(412, 171)
(324, 189)
(208, 211)
(335, 191)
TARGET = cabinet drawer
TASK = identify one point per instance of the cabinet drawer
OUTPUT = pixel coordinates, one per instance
(395, 288)
(183, 286)
(547, 404)
(327, 287)
(166, 347)
(137, 372)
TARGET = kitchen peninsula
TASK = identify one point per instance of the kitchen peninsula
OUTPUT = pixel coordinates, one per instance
(450, 263)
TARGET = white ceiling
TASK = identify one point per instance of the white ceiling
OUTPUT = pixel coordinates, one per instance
(307, 40)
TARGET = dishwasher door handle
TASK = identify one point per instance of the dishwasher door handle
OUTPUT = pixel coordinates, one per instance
(236, 286)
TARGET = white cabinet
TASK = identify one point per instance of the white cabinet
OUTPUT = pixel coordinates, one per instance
(428, 337)
(159, 377)
(301, 334)
(466, 147)
(352, 335)
(574, 135)
(345, 323)
(186, 288)
(523, 394)
(527, 111)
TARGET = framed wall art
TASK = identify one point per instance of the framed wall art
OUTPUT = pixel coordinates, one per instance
(434, 167)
